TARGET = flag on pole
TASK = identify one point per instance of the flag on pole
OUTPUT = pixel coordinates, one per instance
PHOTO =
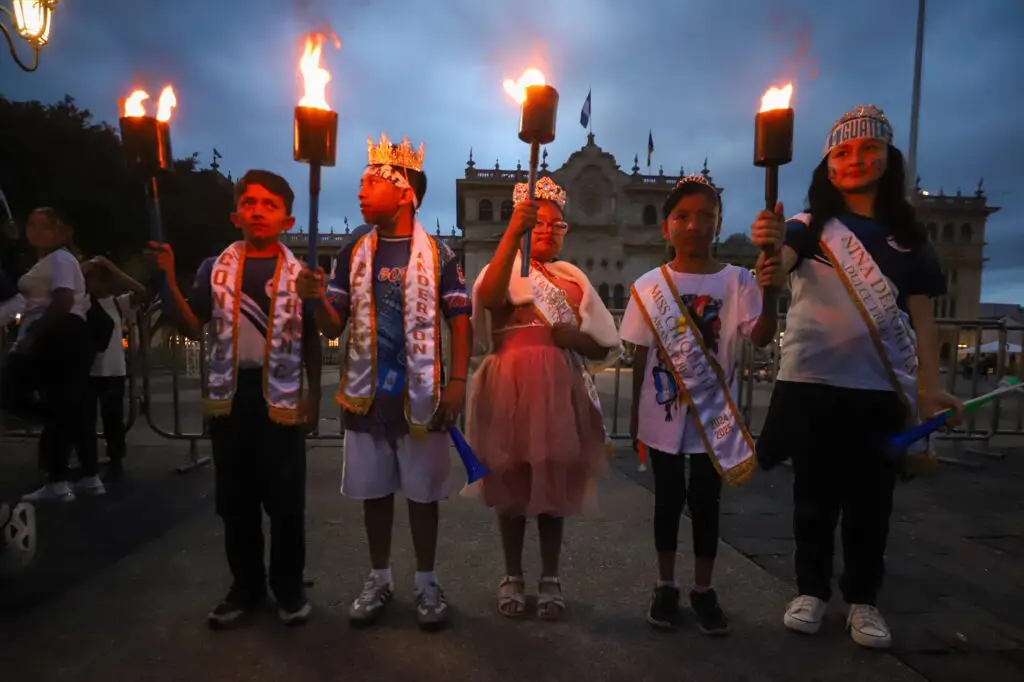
(585, 112)
(216, 154)
(650, 147)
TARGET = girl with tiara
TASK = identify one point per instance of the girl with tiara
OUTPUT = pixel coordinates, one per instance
(534, 418)
(859, 364)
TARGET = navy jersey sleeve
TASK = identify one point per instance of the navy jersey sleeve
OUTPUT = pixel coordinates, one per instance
(455, 299)
(800, 239)
(925, 276)
(201, 300)
(337, 287)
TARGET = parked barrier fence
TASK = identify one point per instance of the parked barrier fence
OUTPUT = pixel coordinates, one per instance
(172, 373)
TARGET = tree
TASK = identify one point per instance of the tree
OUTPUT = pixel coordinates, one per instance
(55, 155)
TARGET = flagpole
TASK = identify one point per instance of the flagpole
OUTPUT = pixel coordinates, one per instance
(915, 106)
(590, 118)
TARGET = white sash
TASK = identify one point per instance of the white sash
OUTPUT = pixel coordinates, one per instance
(282, 364)
(554, 307)
(702, 383)
(420, 303)
(875, 300)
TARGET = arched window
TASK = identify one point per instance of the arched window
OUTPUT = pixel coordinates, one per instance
(506, 210)
(965, 233)
(486, 211)
(619, 297)
(948, 232)
(650, 215)
(933, 232)
(603, 293)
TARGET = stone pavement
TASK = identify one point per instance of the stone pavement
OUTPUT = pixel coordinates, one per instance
(141, 616)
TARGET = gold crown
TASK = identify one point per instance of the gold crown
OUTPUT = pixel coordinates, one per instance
(546, 189)
(385, 153)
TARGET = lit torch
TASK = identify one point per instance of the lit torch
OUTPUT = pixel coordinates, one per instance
(147, 145)
(316, 130)
(539, 108)
(773, 140)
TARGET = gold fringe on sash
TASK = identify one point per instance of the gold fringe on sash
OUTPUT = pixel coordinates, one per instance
(284, 415)
(418, 432)
(740, 473)
(217, 407)
(360, 406)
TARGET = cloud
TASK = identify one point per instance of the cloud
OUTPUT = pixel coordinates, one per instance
(692, 72)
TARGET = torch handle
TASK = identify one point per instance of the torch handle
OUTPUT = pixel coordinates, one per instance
(156, 229)
(771, 195)
(532, 184)
(314, 214)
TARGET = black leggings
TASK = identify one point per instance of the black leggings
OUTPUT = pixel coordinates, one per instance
(671, 494)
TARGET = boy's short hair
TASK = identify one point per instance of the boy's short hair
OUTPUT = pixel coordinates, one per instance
(418, 182)
(272, 182)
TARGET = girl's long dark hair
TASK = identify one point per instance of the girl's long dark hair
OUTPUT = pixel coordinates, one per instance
(892, 209)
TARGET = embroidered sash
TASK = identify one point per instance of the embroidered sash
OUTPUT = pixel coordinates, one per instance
(554, 307)
(420, 304)
(282, 363)
(875, 300)
(702, 382)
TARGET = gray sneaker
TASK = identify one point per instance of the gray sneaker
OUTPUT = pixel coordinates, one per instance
(431, 607)
(370, 602)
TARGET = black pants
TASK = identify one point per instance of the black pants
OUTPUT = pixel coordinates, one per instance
(260, 465)
(836, 439)
(106, 396)
(61, 358)
(672, 492)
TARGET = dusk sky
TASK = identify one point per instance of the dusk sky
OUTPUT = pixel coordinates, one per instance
(691, 72)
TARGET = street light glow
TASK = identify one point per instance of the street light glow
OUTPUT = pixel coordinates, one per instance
(32, 20)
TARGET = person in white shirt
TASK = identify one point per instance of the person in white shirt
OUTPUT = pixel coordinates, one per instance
(109, 368)
(688, 319)
(54, 332)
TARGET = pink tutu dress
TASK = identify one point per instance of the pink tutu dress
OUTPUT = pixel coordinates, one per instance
(531, 421)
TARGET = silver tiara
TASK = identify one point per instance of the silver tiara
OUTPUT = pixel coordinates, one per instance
(696, 179)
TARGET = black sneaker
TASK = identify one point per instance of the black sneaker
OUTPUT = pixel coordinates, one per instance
(663, 612)
(231, 611)
(710, 618)
(295, 612)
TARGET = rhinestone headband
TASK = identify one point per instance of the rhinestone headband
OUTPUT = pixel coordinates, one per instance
(546, 189)
(861, 123)
(385, 153)
(696, 179)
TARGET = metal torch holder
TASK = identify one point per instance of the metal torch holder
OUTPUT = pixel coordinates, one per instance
(147, 148)
(316, 144)
(773, 147)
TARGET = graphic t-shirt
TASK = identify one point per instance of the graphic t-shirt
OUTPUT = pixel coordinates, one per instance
(826, 340)
(253, 308)
(724, 306)
(387, 415)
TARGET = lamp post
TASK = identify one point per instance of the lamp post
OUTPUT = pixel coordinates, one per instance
(31, 19)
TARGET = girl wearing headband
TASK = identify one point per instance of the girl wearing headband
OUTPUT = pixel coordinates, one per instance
(859, 364)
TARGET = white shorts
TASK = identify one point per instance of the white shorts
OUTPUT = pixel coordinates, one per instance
(420, 470)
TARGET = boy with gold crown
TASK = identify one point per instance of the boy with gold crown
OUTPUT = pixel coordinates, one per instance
(534, 417)
(393, 285)
(688, 319)
(259, 341)
(860, 359)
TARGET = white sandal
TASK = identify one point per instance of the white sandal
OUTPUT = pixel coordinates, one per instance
(512, 596)
(550, 605)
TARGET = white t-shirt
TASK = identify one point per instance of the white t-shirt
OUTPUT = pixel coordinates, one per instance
(111, 362)
(724, 306)
(57, 270)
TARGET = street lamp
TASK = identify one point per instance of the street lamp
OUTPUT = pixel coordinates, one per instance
(32, 22)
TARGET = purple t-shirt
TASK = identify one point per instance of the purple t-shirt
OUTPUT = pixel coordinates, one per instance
(386, 418)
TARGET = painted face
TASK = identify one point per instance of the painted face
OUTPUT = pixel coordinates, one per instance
(380, 200)
(857, 165)
(549, 232)
(692, 224)
(261, 215)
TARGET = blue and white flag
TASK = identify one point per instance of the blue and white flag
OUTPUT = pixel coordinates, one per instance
(585, 112)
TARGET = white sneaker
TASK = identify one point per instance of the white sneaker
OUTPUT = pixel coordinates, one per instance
(90, 485)
(51, 492)
(867, 627)
(804, 614)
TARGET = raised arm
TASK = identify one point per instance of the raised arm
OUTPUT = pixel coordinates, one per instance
(494, 284)
(182, 316)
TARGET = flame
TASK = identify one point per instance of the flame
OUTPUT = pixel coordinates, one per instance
(168, 101)
(314, 77)
(134, 107)
(517, 89)
(777, 98)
